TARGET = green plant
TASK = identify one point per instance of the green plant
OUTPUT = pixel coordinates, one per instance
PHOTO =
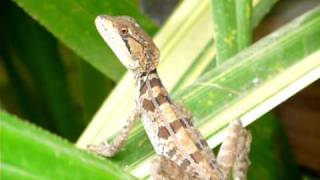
(245, 85)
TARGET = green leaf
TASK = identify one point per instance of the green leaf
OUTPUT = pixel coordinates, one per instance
(225, 29)
(28, 152)
(232, 27)
(206, 59)
(245, 87)
(244, 23)
(72, 22)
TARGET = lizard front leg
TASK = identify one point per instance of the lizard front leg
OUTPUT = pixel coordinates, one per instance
(234, 152)
(109, 150)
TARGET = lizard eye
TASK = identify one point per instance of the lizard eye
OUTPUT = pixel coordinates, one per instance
(124, 30)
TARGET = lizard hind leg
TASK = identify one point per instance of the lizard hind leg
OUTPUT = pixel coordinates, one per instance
(234, 150)
(242, 163)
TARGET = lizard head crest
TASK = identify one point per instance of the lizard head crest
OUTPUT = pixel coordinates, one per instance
(129, 42)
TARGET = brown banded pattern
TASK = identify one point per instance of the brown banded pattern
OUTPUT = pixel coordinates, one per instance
(174, 128)
(170, 130)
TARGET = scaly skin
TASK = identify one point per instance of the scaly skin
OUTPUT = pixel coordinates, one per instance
(182, 151)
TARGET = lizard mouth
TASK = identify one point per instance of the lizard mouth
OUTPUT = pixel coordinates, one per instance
(105, 27)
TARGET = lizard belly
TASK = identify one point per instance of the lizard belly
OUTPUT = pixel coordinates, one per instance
(163, 147)
(151, 129)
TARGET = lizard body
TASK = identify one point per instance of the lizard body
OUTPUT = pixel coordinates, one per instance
(171, 133)
(182, 151)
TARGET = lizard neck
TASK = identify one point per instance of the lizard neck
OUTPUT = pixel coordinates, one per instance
(151, 88)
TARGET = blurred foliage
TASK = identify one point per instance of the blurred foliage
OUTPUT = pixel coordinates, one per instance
(31, 57)
(269, 149)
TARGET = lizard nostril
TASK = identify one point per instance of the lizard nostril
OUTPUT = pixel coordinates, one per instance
(124, 30)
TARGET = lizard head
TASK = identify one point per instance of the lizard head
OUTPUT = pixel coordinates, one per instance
(134, 48)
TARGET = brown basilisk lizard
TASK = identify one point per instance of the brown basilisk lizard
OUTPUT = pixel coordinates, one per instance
(182, 153)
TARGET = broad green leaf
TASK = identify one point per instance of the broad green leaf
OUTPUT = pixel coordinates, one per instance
(28, 152)
(72, 22)
(245, 87)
